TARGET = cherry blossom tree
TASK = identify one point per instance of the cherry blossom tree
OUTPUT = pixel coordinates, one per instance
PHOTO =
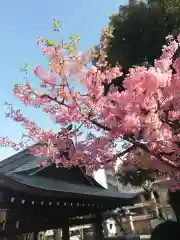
(140, 123)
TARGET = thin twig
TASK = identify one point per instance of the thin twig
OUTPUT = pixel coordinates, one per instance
(126, 151)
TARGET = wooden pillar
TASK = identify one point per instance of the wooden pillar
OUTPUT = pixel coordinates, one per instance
(98, 228)
(65, 231)
(142, 200)
(57, 234)
(131, 223)
(106, 233)
(36, 236)
(2, 236)
(11, 237)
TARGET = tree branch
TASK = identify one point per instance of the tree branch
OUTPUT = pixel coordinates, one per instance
(122, 153)
(55, 100)
(126, 151)
(97, 124)
(158, 156)
(134, 143)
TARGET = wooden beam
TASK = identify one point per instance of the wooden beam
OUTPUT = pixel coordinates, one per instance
(65, 231)
(31, 226)
(140, 205)
(36, 236)
(98, 228)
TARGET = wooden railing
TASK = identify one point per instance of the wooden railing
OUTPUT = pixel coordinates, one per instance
(141, 223)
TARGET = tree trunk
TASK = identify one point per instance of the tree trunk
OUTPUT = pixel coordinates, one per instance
(142, 200)
(155, 207)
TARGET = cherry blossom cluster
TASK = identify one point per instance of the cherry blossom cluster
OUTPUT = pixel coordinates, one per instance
(145, 116)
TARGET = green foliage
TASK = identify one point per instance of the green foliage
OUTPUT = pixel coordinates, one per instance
(140, 30)
(25, 66)
(72, 45)
(56, 25)
(50, 43)
(137, 177)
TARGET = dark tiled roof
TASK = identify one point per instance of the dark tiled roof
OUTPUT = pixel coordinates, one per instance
(21, 171)
(60, 187)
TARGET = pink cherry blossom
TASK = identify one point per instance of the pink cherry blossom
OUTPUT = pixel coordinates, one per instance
(145, 115)
(39, 41)
(47, 78)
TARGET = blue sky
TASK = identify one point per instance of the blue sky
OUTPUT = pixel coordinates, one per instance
(21, 22)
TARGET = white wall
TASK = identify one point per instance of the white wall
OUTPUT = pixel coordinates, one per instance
(100, 177)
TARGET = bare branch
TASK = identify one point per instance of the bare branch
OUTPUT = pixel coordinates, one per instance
(77, 129)
(157, 156)
(97, 124)
(55, 100)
